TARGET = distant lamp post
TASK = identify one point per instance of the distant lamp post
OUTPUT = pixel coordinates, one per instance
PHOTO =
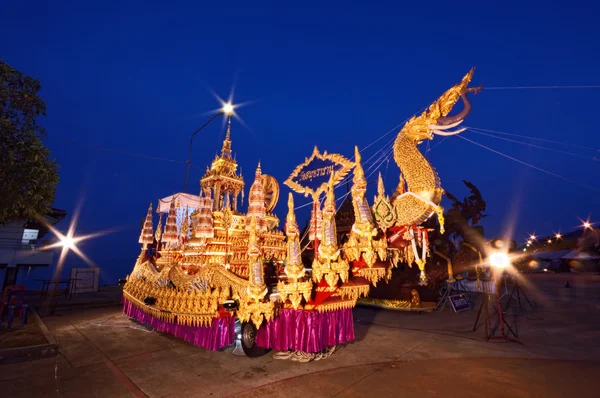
(587, 225)
(226, 109)
(558, 236)
(67, 242)
(532, 237)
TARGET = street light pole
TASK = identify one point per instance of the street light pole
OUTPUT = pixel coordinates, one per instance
(187, 171)
(227, 109)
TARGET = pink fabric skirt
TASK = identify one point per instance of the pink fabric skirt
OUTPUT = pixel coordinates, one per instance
(220, 334)
(308, 331)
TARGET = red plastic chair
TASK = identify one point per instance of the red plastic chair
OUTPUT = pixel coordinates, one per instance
(12, 300)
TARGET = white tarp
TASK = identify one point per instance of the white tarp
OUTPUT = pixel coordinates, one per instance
(183, 200)
(577, 255)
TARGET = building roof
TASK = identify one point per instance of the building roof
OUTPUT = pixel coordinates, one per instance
(577, 255)
(51, 218)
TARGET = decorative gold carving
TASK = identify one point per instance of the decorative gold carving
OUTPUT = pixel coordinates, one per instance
(292, 289)
(384, 211)
(373, 275)
(415, 299)
(353, 292)
(361, 243)
(329, 264)
(332, 305)
(271, 192)
(338, 176)
(405, 305)
(191, 308)
(227, 220)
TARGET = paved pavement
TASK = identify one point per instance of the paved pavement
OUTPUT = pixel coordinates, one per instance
(104, 354)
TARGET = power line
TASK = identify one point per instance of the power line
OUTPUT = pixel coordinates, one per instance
(535, 138)
(538, 87)
(439, 143)
(529, 165)
(536, 146)
(139, 155)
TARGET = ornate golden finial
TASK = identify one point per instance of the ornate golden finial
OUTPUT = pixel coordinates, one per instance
(147, 235)
(383, 210)
(330, 201)
(359, 183)
(291, 216)
(228, 135)
(252, 237)
(258, 170)
(380, 186)
(158, 233)
(185, 225)
(226, 151)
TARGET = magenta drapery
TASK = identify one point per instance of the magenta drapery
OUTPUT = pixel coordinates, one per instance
(308, 331)
(221, 333)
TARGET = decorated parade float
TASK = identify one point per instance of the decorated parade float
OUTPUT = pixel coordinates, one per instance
(215, 276)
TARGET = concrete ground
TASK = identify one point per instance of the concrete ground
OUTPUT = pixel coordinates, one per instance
(104, 354)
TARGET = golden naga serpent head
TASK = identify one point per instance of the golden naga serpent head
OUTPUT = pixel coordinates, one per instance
(435, 119)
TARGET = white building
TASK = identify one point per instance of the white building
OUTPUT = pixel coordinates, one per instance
(22, 251)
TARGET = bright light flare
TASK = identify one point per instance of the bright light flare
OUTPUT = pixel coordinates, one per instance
(227, 108)
(587, 225)
(499, 260)
(532, 237)
(558, 236)
(68, 242)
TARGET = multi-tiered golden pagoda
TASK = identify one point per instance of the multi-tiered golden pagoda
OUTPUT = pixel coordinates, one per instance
(216, 231)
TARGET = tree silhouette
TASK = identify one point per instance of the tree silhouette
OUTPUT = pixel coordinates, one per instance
(28, 176)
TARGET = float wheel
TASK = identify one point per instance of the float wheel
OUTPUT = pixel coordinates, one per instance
(249, 341)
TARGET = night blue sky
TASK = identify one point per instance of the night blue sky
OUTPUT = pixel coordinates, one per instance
(136, 76)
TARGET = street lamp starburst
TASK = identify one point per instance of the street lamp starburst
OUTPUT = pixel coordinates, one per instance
(228, 108)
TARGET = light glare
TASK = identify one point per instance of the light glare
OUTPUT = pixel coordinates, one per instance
(228, 108)
(67, 242)
(499, 260)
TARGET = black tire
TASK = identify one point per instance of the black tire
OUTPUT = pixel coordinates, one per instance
(249, 341)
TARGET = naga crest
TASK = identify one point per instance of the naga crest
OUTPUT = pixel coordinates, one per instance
(435, 119)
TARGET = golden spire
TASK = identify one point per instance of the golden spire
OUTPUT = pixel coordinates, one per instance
(359, 183)
(330, 201)
(380, 186)
(158, 233)
(252, 239)
(226, 151)
(291, 226)
(147, 235)
(185, 225)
